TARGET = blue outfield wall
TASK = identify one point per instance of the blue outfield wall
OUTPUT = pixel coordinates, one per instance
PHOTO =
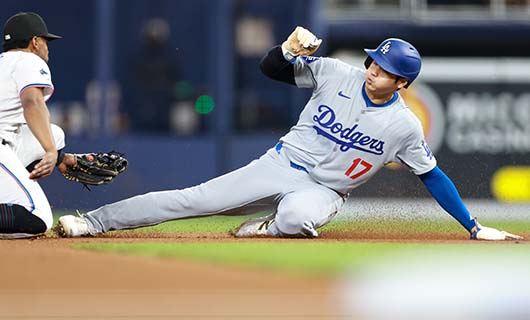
(155, 163)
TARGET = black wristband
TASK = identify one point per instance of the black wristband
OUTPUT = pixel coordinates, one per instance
(60, 157)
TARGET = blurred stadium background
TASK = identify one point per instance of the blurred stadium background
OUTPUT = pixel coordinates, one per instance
(176, 86)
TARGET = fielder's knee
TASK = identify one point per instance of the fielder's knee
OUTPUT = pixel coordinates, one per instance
(15, 218)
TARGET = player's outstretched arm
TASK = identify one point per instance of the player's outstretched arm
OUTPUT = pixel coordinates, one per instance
(446, 194)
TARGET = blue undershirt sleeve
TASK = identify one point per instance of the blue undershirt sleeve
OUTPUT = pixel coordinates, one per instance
(445, 193)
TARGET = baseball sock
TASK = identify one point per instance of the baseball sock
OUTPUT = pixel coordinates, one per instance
(15, 218)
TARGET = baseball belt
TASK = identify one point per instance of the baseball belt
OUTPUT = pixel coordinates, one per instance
(279, 147)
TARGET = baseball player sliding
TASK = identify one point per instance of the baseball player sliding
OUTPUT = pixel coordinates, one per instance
(354, 124)
(30, 147)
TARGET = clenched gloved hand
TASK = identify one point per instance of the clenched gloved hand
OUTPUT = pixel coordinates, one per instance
(300, 43)
(480, 232)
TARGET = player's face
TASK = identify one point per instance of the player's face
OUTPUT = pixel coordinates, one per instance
(380, 83)
(40, 46)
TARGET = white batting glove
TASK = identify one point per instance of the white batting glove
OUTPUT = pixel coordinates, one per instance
(300, 43)
(480, 232)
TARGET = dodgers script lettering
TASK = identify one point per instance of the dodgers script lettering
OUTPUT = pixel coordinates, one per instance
(347, 138)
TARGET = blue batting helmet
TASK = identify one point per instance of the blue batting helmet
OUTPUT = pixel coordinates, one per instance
(397, 57)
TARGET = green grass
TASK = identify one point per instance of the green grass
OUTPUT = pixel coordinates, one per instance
(420, 226)
(305, 257)
(213, 224)
(224, 224)
(313, 257)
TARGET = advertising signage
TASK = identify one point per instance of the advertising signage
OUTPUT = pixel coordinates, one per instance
(476, 117)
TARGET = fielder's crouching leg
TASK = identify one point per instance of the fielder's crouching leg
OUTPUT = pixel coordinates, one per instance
(17, 222)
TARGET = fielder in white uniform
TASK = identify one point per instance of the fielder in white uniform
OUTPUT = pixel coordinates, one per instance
(29, 144)
(354, 124)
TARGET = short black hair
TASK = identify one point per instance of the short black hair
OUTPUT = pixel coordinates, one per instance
(16, 44)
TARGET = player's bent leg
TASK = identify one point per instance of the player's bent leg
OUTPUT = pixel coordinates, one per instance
(156, 207)
(301, 212)
(24, 208)
(17, 222)
(32, 216)
(261, 179)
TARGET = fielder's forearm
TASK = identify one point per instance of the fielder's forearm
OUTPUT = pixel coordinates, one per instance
(445, 193)
(38, 118)
(274, 66)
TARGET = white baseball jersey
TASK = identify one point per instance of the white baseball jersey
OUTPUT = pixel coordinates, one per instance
(342, 138)
(19, 71)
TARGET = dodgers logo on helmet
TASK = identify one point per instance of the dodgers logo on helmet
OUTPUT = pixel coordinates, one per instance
(385, 48)
(396, 56)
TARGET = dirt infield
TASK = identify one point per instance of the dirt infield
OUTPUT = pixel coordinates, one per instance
(47, 279)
